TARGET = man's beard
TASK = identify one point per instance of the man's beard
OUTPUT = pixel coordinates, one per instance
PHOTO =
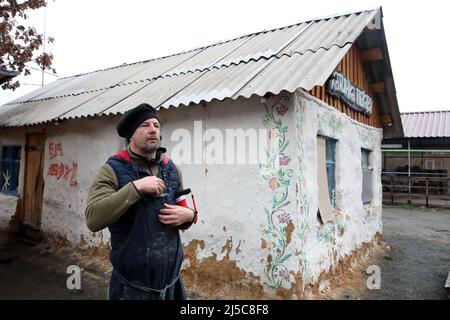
(148, 147)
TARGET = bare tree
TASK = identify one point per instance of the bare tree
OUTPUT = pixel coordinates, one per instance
(20, 44)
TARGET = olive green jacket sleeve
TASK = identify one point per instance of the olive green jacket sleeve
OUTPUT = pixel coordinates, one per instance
(188, 224)
(105, 203)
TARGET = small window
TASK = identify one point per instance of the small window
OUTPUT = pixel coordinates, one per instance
(331, 169)
(326, 178)
(366, 176)
(9, 169)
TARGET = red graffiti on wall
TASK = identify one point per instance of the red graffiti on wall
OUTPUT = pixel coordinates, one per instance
(60, 170)
(54, 150)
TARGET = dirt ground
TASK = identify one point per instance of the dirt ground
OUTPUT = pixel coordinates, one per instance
(41, 273)
(418, 262)
(415, 267)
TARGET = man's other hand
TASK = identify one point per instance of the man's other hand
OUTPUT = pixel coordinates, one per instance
(175, 215)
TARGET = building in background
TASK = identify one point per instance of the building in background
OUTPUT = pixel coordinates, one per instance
(416, 168)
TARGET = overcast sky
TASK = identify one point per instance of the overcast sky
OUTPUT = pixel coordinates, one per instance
(96, 34)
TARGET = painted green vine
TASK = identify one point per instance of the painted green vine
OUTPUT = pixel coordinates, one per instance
(302, 182)
(329, 120)
(277, 174)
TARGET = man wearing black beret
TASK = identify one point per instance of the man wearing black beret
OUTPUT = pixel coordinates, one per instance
(136, 196)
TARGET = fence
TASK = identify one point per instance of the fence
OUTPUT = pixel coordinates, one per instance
(415, 188)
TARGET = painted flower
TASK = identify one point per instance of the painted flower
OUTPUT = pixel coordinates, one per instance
(282, 109)
(273, 183)
(283, 218)
(284, 160)
(284, 274)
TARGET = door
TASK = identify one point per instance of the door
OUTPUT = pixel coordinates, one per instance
(33, 186)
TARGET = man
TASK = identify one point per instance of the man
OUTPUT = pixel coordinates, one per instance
(134, 195)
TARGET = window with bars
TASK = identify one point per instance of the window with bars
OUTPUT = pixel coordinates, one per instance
(9, 169)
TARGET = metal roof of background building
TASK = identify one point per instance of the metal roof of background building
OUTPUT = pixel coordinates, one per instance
(429, 124)
(298, 56)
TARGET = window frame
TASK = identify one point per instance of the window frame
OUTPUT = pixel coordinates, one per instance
(10, 157)
(330, 162)
(367, 173)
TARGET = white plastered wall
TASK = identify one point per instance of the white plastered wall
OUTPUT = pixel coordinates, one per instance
(355, 223)
(85, 145)
(231, 197)
(262, 216)
(243, 214)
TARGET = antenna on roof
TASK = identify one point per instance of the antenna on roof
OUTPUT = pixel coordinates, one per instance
(43, 47)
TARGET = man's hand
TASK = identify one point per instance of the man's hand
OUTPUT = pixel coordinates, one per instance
(150, 185)
(175, 215)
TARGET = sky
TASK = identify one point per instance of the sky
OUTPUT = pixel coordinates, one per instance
(97, 34)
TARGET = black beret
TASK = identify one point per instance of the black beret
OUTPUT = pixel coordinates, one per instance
(133, 118)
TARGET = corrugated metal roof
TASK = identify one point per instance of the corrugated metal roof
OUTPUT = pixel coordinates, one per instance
(297, 56)
(429, 124)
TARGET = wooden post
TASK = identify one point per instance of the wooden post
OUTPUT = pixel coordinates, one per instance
(409, 172)
(426, 184)
(392, 190)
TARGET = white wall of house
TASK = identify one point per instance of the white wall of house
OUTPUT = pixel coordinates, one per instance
(75, 150)
(321, 246)
(231, 197)
(238, 222)
(258, 225)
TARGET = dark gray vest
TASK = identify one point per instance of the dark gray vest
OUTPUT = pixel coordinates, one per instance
(146, 255)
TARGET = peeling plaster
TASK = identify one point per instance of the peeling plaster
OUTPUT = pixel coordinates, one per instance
(227, 247)
(289, 230)
(221, 279)
(238, 250)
